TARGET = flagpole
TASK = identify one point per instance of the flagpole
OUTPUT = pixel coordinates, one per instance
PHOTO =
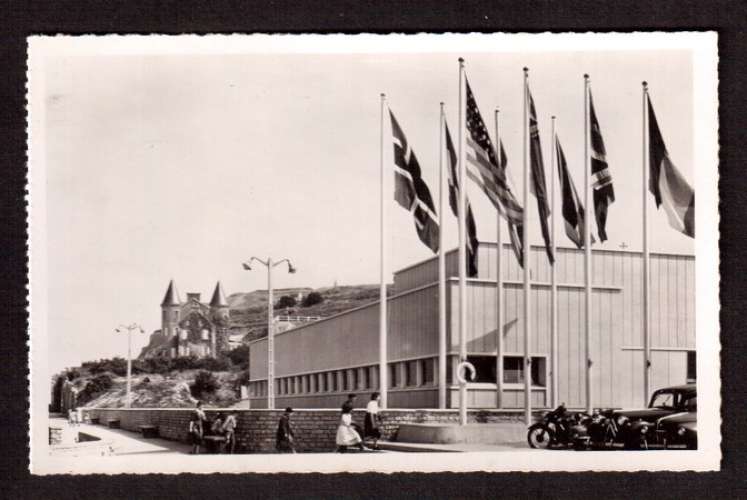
(553, 274)
(498, 285)
(646, 278)
(587, 249)
(441, 269)
(525, 258)
(462, 249)
(382, 291)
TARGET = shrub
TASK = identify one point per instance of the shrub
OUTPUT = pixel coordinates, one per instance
(285, 302)
(239, 356)
(157, 365)
(243, 378)
(205, 383)
(219, 364)
(312, 298)
(184, 363)
(72, 374)
(94, 387)
(117, 365)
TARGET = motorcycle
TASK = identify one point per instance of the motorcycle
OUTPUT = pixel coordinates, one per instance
(560, 428)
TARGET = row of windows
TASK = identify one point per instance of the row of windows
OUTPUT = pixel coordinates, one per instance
(417, 373)
(403, 374)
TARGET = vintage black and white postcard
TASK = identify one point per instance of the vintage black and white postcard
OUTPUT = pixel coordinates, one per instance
(475, 252)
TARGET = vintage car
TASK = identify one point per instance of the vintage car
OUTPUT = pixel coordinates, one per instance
(679, 428)
(638, 428)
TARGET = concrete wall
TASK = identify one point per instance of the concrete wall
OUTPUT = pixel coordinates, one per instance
(315, 430)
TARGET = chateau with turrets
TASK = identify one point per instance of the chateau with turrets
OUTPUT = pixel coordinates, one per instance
(192, 327)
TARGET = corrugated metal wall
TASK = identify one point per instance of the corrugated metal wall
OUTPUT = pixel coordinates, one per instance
(351, 339)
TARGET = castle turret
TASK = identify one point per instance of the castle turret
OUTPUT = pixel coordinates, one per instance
(220, 313)
(170, 307)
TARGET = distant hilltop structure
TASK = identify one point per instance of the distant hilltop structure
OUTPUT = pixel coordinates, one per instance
(192, 327)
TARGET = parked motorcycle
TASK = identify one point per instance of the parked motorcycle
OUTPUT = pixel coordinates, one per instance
(559, 428)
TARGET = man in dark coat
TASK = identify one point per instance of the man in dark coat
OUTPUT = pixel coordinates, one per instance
(284, 439)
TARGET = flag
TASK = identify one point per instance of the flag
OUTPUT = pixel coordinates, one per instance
(538, 185)
(454, 187)
(482, 165)
(604, 194)
(410, 189)
(667, 184)
(515, 231)
(573, 210)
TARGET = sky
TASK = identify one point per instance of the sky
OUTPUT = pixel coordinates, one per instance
(183, 166)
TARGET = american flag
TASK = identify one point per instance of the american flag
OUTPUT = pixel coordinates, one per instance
(411, 191)
(483, 166)
(453, 177)
(604, 194)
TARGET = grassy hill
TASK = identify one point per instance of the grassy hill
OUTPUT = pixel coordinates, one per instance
(249, 310)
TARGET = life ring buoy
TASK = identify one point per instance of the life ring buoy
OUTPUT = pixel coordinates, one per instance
(465, 366)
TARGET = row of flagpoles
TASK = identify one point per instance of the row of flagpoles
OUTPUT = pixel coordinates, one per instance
(477, 158)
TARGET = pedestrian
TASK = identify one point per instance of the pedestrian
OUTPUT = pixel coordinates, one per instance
(216, 428)
(349, 403)
(371, 425)
(285, 438)
(229, 428)
(200, 412)
(195, 432)
(346, 433)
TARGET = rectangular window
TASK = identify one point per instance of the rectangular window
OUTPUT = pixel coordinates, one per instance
(333, 381)
(393, 368)
(450, 369)
(343, 380)
(485, 369)
(428, 371)
(411, 373)
(513, 370)
(364, 379)
(353, 379)
(691, 367)
(374, 370)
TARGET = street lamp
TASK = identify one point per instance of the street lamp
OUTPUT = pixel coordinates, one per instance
(269, 264)
(129, 328)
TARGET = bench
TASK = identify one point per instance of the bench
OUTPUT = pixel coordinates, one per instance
(113, 423)
(214, 444)
(149, 431)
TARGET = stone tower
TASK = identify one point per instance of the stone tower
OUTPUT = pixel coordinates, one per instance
(220, 316)
(170, 308)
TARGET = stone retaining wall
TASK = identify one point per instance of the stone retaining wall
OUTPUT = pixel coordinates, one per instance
(314, 429)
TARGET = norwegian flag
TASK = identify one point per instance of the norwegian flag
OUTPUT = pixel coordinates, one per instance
(538, 185)
(573, 210)
(411, 191)
(453, 177)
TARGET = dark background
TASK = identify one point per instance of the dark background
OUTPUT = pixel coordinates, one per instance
(19, 19)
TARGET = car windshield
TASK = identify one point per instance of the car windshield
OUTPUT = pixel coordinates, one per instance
(664, 400)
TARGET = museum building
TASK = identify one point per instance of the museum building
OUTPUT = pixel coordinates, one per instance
(317, 363)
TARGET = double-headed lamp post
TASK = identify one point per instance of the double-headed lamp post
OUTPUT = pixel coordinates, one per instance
(129, 328)
(269, 264)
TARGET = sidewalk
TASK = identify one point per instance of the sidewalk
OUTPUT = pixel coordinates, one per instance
(124, 442)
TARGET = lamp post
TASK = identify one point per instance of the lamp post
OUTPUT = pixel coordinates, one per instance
(129, 328)
(269, 264)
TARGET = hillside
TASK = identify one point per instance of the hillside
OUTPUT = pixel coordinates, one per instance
(249, 310)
